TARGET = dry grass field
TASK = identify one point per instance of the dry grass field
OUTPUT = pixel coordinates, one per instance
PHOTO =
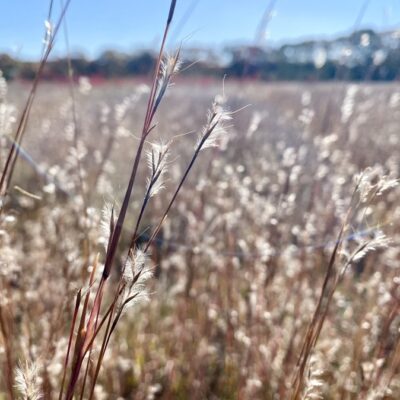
(171, 238)
(275, 274)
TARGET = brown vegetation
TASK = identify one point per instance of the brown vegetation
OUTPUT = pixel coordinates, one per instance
(263, 230)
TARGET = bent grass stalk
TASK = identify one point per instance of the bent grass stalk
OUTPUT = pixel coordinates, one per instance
(89, 334)
(214, 124)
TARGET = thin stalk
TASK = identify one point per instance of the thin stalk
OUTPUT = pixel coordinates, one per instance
(155, 176)
(322, 308)
(88, 363)
(14, 150)
(71, 334)
(106, 339)
(102, 351)
(5, 331)
(83, 353)
(146, 130)
(81, 330)
(185, 175)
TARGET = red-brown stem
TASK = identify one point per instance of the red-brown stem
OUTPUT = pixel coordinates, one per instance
(82, 354)
(121, 217)
(91, 331)
(107, 337)
(81, 335)
(90, 349)
(14, 150)
(5, 331)
(88, 361)
(146, 130)
(71, 334)
(102, 351)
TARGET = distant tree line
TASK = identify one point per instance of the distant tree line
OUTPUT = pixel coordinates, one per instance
(367, 57)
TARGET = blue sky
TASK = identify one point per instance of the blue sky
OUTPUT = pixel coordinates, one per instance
(95, 25)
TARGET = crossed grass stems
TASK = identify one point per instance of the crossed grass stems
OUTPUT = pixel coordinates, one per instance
(130, 285)
(87, 320)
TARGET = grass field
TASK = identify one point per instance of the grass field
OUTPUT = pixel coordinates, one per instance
(275, 274)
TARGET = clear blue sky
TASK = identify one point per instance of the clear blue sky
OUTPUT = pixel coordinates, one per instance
(95, 25)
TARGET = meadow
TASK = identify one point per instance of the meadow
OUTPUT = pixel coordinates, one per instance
(275, 274)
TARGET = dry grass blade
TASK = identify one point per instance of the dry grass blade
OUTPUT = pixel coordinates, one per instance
(14, 150)
(84, 345)
(217, 276)
(71, 335)
(5, 329)
(322, 308)
(145, 132)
